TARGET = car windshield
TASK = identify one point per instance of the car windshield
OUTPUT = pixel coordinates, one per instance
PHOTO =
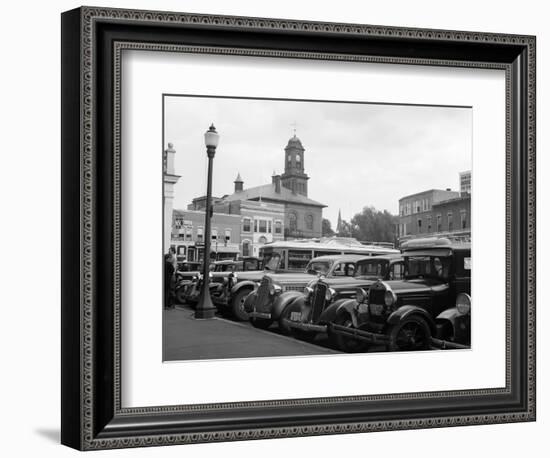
(272, 261)
(373, 268)
(251, 264)
(427, 266)
(189, 267)
(225, 267)
(318, 267)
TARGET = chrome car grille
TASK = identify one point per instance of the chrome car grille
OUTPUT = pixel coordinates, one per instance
(262, 296)
(318, 301)
(376, 296)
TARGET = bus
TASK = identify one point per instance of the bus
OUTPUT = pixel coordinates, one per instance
(295, 254)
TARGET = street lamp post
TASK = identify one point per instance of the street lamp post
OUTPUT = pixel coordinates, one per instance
(205, 308)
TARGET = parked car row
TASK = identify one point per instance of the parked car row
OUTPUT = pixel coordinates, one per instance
(415, 300)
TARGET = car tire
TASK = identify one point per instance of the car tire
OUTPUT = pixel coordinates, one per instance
(411, 334)
(344, 343)
(237, 304)
(180, 295)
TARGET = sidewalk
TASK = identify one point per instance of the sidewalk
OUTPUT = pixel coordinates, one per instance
(187, 338)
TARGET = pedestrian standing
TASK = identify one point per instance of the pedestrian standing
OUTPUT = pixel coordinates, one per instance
(169, 272)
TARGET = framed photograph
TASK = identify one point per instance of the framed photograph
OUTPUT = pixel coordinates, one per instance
(278, 228)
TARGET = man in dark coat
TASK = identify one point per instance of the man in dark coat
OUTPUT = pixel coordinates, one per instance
(168, 274)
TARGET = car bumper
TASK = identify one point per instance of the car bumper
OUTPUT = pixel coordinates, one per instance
(359, 334)
(263, 315)
(445, 344)
(310, 327)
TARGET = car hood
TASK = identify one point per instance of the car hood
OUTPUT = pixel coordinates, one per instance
(347, 282)
(253, 275)
(416, 285)
(290, 277)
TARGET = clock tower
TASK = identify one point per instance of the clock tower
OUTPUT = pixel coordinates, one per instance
(294, 177)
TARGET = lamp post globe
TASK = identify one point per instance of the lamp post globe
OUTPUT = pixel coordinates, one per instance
(205, 308)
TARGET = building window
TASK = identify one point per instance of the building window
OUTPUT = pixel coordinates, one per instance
(200, 233)
(438, 219)
(309, 222)
(278, 227)
(292, 220)
(188, 233)
(227, 235)
(429, 224)
(298, 158)
(262, 240)
(450, 221)
(269, 228)
(246, 225)
(419, 225)
(214, 234)
(463, 222)
(246, 248)
(262, 223)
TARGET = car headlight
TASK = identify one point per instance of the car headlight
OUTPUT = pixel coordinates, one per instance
(308, 291)
(195, 278)
(330, 294)
(361, 295)
(274, 289)
(390, 298)
(210, 274)
(463, 303)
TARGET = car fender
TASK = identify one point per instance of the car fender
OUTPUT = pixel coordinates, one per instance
(281, 302)
(243, 284)
(448, 315)
(182, 283)
(407, 310)
(336, 308)
(298, 304)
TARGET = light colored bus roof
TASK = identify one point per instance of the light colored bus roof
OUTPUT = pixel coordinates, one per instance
(332, 246)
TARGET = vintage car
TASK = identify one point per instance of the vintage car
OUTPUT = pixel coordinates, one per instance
(319, 304)
(402, 314)
(219, 272)
(186, 274)
(277, 291)
(453, 325)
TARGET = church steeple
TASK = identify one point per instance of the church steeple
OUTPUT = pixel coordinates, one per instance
(339, 225)
(294, 176)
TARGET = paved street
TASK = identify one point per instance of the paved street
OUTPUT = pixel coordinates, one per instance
(219, 338)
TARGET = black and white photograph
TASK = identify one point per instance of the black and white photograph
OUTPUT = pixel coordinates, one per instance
(314, 227)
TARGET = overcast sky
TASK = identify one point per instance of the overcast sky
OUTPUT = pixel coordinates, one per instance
(356, 155)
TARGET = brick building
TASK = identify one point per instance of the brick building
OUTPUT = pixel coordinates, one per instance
(280, 210)
(442, 213)
(188, 235)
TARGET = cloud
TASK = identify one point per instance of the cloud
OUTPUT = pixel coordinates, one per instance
(357, 154)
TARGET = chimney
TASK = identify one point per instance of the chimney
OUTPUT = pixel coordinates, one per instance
(277, 182)
(238, 183)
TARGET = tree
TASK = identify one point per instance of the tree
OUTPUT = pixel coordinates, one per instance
(374, 226)
(345, 229)
(326, 229)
